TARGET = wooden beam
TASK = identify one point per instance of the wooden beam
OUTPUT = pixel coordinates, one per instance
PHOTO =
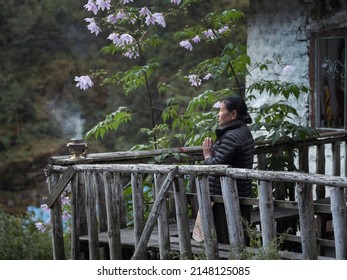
(59, 187)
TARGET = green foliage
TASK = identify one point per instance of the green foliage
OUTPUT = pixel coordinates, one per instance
(278, 88)
(191, 126)
(20, 240)
(148, 199)
(112, 122)
(278, 117)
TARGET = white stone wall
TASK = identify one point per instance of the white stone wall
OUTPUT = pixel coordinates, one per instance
(280, 29)
(273, 35)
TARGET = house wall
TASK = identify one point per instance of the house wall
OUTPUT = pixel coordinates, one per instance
(274, 34)
(280, 30)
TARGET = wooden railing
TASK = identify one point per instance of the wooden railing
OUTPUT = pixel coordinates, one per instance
(98, 205)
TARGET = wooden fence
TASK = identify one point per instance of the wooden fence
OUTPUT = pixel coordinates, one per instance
(99, 217)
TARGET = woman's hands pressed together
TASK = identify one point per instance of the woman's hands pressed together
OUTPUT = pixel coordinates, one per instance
(207, 147)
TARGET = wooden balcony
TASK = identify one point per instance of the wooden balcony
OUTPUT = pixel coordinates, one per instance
(113, 218)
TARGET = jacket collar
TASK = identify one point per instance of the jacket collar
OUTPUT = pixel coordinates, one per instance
(221, 130)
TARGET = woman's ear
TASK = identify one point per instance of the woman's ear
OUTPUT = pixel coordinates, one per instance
(233, 115)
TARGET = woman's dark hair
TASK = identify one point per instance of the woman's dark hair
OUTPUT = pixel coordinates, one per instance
(237, 103)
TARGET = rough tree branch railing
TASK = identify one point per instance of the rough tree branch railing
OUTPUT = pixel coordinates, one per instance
(305, 203)
(63, 171)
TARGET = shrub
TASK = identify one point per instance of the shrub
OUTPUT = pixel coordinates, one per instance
(20, 240)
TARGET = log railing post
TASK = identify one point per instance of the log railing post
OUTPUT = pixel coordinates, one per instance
(163, 223)
(267, 214)
(138, 206)
(307, 221)
(120, 203)
(113, 224)
(320, 169)
(182, 219)
(205, 210)
(336, 158)
(100, 201)
(92, 222)
(232, 212)
(56, 221)
(75, 219)
(338, 210)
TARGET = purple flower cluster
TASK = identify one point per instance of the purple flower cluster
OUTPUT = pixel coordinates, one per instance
(84, 82)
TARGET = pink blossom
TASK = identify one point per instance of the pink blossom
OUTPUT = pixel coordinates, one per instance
(132, 53)
(91, 7)
(223, 29)
(114, 18)
(216, 105)
(92, 26)
(103, 4)
(194, 80)
(122, 40)
(114, 37)
(126, 39)
(209, 34)
(207, 76)
(156, 18)
(160, 19)
(186, 44)
(145, 12)
(65, 200)
(84, 82)
(66, 216)
(45, 208)
(41, 227)
(196, 39)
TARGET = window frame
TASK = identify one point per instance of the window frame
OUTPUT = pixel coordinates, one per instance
(313, 77)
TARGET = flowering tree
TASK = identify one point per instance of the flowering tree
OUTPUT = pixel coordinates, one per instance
(132, 30)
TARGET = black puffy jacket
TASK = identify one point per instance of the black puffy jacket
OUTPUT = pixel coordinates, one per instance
(234, 146)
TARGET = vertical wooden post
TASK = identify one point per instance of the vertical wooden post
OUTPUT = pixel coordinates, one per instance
(291, 167)
(113, 225)
(56, 221)
(81, 208)
(232, 212)
(182, 219)
(120, 202)
(75, 219)
(320, 155)
(279, 187)
(307, 222)
(205, 210)
(163, 223)
(262, 161)
(100, 200)
(303, 159)
(193, 199)
(336, 158)
(92, 223)
(267, 212)
(138, 206)
(338, 210)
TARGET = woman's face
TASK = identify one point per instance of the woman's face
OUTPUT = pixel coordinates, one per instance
(224, 116)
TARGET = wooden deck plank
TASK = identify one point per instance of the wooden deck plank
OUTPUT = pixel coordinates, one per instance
(127, 239)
